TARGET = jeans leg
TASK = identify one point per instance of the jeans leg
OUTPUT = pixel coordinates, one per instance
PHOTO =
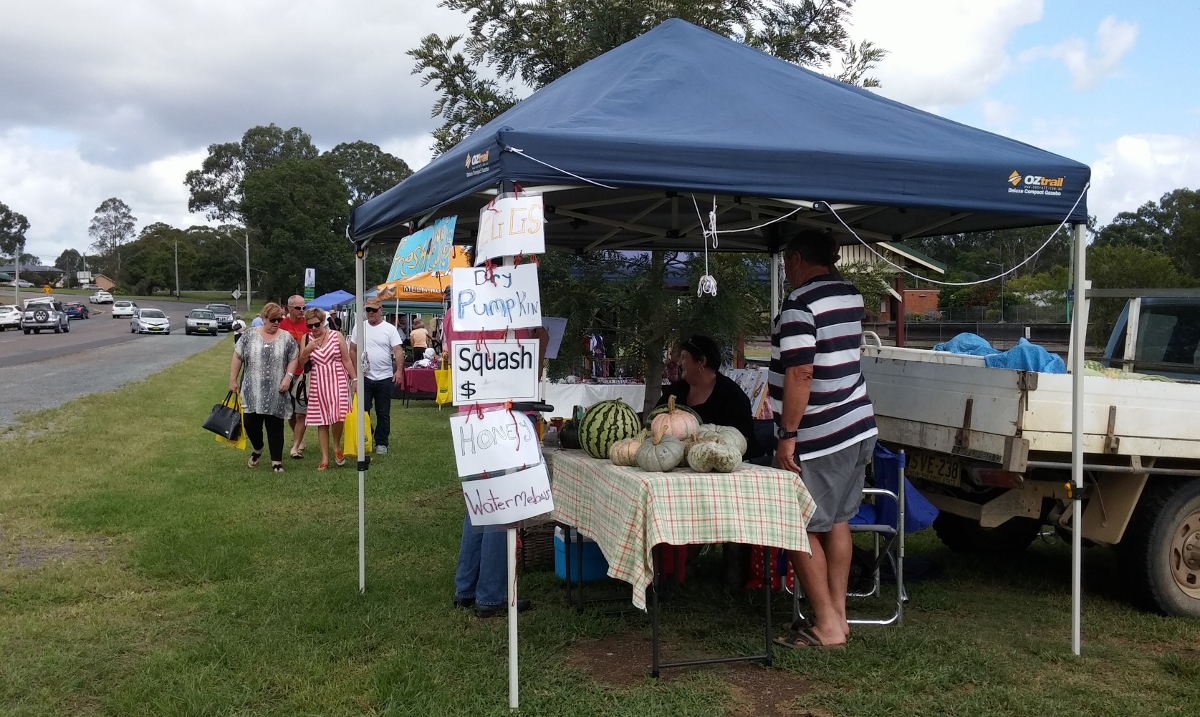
(253, 424)
(383, 411)
(492, 588)
(466, 575)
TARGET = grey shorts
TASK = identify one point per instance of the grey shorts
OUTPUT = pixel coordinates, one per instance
(300, 403)
(835, 482)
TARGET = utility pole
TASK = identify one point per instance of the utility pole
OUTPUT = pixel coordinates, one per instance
(17, 277)
(247, 271)
(177, 270)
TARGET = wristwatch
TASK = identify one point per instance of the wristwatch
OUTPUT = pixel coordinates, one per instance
(783, 435)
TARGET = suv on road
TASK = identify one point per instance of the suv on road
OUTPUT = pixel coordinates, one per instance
(48, 314)
(101, 297)
(224, 314)
(10, 317)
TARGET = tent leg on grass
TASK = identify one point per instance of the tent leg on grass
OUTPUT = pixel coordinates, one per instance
(360, 255)
(513, 701)
(1078, 341)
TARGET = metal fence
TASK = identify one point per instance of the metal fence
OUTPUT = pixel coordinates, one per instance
(1021, 314)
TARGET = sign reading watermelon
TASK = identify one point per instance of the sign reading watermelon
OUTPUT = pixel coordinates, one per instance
(508, 299)
(507, 499)
(491, 371)
(496, 441)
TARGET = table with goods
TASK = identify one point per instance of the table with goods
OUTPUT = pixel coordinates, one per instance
(672, 482)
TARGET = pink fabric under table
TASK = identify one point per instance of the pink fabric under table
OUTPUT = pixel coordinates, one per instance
(420, 380)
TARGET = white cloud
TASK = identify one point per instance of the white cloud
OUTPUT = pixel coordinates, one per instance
(1138, 168)
(997, 113)
(942, 53)
(1089, 68)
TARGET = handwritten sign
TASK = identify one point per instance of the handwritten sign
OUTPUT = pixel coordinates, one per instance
(511, 299)
(489, 371)
(509, 226)
(497, 441)
(509, 498)
(426, 250)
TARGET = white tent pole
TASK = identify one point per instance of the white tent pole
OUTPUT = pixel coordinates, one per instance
(361, 389)
(775, 288)
(1078, 341)
(513, 688)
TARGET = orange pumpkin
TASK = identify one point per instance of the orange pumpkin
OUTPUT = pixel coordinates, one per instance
(674, 422)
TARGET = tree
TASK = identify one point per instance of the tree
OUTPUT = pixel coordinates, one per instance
(537, 42)
(1125, 266)
(1171, 226)
(872, 280)
(111, 228)
(366, 169)
(12, 232)
(70, 262)
(299, 209)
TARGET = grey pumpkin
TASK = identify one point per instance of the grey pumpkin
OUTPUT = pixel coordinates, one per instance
(661, 453)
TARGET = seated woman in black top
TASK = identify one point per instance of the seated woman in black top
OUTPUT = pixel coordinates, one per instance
(711, 394)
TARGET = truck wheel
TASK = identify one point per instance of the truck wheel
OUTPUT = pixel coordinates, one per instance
(963, 535)
(1161, 547)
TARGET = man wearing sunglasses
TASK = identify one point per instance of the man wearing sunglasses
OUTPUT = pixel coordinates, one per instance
(384, 367)
(294, 324)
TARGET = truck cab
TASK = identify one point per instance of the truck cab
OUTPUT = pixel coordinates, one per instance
(1157, 336)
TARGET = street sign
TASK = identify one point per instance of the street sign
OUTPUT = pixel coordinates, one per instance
(47, 289)
(237, 294)
(310, 278)
(309, 293)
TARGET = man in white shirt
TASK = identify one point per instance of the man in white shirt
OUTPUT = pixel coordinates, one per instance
(384, 368)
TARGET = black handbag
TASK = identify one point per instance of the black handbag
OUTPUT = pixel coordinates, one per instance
(225, 419)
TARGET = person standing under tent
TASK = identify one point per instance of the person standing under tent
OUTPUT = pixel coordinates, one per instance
(294, 324)
(419, 337)
(825, 423)
(384, 367)
(329, 390)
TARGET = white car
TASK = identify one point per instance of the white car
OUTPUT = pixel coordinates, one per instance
(10, 317)
(149, 321)
(124, 309)
(202, 321)
(100, 297)
(21, 283)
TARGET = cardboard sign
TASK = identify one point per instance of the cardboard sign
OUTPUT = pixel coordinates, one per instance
(497, 441)
(490, 371)
(509, 226)
(427, 250)
(511, 299)
(509, 498)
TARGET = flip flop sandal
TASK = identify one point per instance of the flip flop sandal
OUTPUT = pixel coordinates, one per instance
(339, 459)
(276, 467)
(805, 639)
(254, 456)
(297, 453)
(322, 466)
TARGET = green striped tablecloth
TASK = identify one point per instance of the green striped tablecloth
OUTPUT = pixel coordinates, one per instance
(628, 511)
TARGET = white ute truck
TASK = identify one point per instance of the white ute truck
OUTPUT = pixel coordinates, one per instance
(991, 447)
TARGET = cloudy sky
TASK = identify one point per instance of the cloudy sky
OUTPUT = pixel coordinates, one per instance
(121, 98)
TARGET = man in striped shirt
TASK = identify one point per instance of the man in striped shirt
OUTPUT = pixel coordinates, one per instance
(825, 423)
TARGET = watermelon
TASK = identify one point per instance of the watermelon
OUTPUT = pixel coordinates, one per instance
(679, 406)
(604, 424)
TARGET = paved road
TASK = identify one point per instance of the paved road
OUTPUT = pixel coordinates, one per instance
(98, 331)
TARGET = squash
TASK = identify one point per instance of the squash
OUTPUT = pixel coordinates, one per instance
(727, 435)
(659, 410)
(676, 422)
(661, 453)
(624, 451)
(713, 457)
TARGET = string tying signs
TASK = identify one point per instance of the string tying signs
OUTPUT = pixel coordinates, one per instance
(509, 498)
(509, 298)
(511, 225)
(496, 441)
(487, 371)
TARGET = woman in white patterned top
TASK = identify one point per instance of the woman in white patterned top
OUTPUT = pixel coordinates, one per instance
(266, 358)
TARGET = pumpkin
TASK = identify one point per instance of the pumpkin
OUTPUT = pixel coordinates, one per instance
(727, 435)
(624, 451)
(659, 410)
(713, 457)
(676, 422)
(661, 453)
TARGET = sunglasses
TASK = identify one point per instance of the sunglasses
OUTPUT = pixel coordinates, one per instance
(296, 308)
(275, 321)
(372, 310)
(314, 326)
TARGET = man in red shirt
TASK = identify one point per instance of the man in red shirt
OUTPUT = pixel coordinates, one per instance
(294, 324)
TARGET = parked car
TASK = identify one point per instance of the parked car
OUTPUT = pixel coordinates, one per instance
(224, 314)
(124, 309)
(21, 283)
(89, 287)
(202, 321)
(76, 310)
(10, 317)
(49, 315)
(149, 321)
(101, 297)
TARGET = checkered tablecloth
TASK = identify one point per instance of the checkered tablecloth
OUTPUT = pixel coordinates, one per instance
(628, 511)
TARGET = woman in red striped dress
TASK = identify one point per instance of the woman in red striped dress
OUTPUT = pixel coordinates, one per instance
(329, 389)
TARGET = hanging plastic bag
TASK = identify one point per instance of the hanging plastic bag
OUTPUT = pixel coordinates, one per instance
(442, 376)
(350, 431)
(232, 402)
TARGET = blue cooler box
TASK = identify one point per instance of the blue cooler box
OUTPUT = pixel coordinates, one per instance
(595, 567)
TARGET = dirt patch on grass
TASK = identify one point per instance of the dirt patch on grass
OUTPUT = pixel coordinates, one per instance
(754, 690)
(34, 550)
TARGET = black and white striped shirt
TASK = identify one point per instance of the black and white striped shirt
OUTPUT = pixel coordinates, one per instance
(820, 324)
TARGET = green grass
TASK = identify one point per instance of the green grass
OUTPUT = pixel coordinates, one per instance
(145, 571)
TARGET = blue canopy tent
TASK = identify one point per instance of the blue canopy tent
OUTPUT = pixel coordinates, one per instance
(331, 300)
(618, 144)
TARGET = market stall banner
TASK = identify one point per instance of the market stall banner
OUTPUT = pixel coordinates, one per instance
(506, 297)
(490, 371)
(509, 498)
(510, 226)
(426, 250)
(496, 441)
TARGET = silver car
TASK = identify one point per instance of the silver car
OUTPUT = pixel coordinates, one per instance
(149, 321)
(202, 321)
(47, 314)
(124, 309)
(10, 317)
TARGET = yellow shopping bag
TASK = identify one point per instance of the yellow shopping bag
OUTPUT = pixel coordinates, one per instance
(235, 403)
(442, 376)
(350, 431)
